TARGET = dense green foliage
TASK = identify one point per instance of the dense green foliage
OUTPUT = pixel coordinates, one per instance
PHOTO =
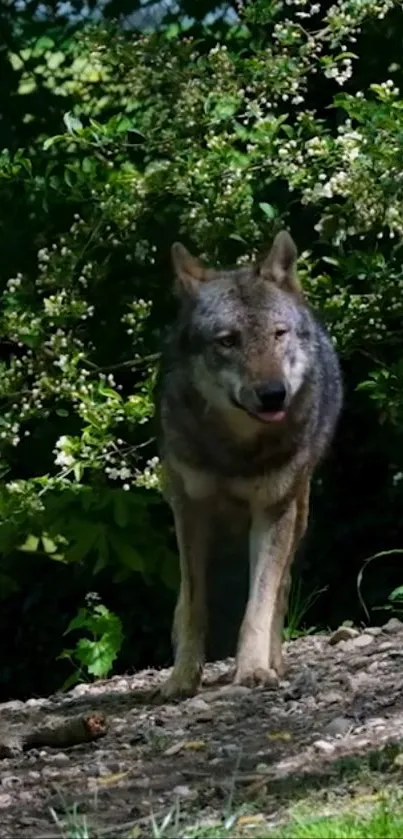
(119, 143)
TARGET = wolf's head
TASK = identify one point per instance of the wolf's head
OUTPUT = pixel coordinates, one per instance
(247, 333)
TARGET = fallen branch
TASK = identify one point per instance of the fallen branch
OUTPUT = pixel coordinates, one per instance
(57, 733)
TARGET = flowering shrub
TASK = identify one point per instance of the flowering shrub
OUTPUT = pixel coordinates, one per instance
(169, 136)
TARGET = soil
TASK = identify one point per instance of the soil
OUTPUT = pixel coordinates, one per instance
(230, 755)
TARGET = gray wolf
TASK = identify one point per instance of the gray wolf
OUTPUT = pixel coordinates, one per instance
(247, 399)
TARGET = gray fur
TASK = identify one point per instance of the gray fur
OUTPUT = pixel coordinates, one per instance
(214, 446)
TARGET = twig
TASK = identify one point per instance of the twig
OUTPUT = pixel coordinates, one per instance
(132, 363)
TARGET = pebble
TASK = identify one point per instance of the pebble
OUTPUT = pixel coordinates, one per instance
(338, 727)
(324, 747)
(227, 692)
(331, 697)
(197, 705)
(358, 643)
(343, 633)
(392, 626)
(373, 630)
(183, 791)
(6, 800)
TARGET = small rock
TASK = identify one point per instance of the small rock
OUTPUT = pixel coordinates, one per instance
(174, 749)
(58, 757)
(343, 633)
(235, 691)
(305, 684)
(227, 692)
(376, 722)
(262, 767)
(12, 705)
(184, 792)
(393, 625)
(358, 643)
(331, 697)
(373, 630)
(385, 646)
(9, 781)
(197, 704)
(324, 747)
(6, 800)
(338, 727)
(81, 690)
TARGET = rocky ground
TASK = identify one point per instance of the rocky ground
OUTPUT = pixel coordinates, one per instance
(230, 755)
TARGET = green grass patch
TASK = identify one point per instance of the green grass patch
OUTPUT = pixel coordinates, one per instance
(385, 821)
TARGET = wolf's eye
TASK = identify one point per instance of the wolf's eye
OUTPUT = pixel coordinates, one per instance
(227, 340)
(279, 333)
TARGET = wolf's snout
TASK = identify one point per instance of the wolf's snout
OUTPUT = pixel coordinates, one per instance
(271, 396)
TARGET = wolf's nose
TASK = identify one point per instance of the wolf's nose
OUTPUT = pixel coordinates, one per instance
(271, 395)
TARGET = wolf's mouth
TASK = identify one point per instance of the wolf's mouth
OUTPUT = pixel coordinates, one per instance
(262, 416)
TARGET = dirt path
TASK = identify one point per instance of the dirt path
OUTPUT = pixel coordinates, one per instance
(229, 749)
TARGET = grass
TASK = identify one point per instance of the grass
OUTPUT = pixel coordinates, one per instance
(384, 822)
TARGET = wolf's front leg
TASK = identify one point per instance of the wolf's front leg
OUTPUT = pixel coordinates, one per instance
(276, 649)
(193, 528)
(271, 542)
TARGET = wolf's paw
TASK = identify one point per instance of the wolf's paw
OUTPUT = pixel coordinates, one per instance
(256, 677)
(180, 685)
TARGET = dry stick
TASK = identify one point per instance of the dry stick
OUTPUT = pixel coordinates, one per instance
(57, 733)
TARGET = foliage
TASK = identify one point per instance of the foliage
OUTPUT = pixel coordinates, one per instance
(285, 114)
(298, 606)
(95, 655)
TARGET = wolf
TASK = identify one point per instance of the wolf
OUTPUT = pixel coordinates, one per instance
(247, 399)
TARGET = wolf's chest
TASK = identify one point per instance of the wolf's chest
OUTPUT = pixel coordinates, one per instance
(260, 490)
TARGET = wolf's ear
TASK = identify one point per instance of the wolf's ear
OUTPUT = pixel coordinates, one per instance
(279, 265)
(189, 271)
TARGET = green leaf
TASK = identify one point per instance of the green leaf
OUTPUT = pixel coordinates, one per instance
(72, 123)
(72, 680)
(126, 553)
(268, 210)
(30, 545)
(55, 59)
(48, 545)
(237, 238)
(221, 107)
(50, 141)
(86, 536)
(112, 394)
(42, 44)
(102, 546)
(121, 504)
(331, 260)
(78, 471)
(97, 656)
(79, 622)
(88, 165)
(27, 86)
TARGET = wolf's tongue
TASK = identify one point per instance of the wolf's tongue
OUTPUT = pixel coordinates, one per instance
(271, 416)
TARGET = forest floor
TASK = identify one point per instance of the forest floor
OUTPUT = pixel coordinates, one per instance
(231, 761)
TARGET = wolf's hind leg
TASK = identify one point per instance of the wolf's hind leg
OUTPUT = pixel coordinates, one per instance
(193, 527)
